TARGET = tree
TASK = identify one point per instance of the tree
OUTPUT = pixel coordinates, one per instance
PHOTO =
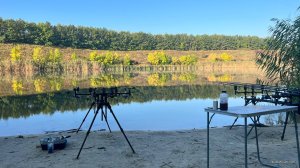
(45, 34)
(281, 57)
(19, 31)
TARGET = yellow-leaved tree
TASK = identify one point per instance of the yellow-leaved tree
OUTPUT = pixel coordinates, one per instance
(15, 54)
(93, 56)
(212, 57)
(55, 56)
(158, 58)
(37, 56)
(74, 56)
(226, 57)
(126, 60)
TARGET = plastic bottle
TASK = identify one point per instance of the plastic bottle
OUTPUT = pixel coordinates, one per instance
(50, 145)
(223, 100)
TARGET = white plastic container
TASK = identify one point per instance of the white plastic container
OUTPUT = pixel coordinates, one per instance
(223, 100)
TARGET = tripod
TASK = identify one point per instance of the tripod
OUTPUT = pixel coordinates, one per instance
(101, 103)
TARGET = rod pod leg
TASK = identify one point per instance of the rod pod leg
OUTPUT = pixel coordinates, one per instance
(111, 111)
(104, 115)
(92, 105)
(88, 132)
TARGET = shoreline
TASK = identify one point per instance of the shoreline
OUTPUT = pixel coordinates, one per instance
(181, 148)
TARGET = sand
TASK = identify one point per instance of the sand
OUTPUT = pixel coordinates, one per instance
(154, 149)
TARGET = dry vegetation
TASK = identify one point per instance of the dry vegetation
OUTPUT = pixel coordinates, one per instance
(138, 56)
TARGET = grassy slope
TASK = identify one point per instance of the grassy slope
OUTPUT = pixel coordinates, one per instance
(138, 56)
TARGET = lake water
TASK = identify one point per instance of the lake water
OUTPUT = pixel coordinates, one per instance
(158, 102)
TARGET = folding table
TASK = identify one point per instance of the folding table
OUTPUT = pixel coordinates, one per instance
(252, 112)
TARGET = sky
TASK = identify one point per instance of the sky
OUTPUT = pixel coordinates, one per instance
(196, 17)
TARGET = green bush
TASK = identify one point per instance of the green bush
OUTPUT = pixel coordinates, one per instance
(158, 58)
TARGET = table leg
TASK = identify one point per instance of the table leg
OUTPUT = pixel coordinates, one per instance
(297, 139)
(208, 122)
(256, 139)
(234, 122)
(246, 137)
(285, 123)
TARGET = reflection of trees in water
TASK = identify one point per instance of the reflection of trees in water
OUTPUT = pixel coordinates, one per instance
(110, 80)
(219, 78)
(278, 119)
(23, 106)
(74, 82)
(104, 80)
(55, 84)
(275, 119)
(42, 84)
(17, 87)
(161, 79)
(39, 85)
(184, 77)
(128, 78)
(158, 79)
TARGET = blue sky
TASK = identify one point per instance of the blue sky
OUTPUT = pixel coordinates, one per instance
(228, 17)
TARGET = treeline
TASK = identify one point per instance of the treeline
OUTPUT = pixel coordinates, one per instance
(19, 31)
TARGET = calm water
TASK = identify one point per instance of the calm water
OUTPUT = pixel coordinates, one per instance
(157, 104)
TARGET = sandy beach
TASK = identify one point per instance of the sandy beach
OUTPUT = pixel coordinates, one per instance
(154, 149)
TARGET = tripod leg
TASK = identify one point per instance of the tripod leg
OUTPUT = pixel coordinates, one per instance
(285, 122)
(85, 116)
(105, 111)
(104, 114)
(88, 132)
(109, 107)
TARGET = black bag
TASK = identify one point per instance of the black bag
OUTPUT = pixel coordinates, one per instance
(52, 143)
